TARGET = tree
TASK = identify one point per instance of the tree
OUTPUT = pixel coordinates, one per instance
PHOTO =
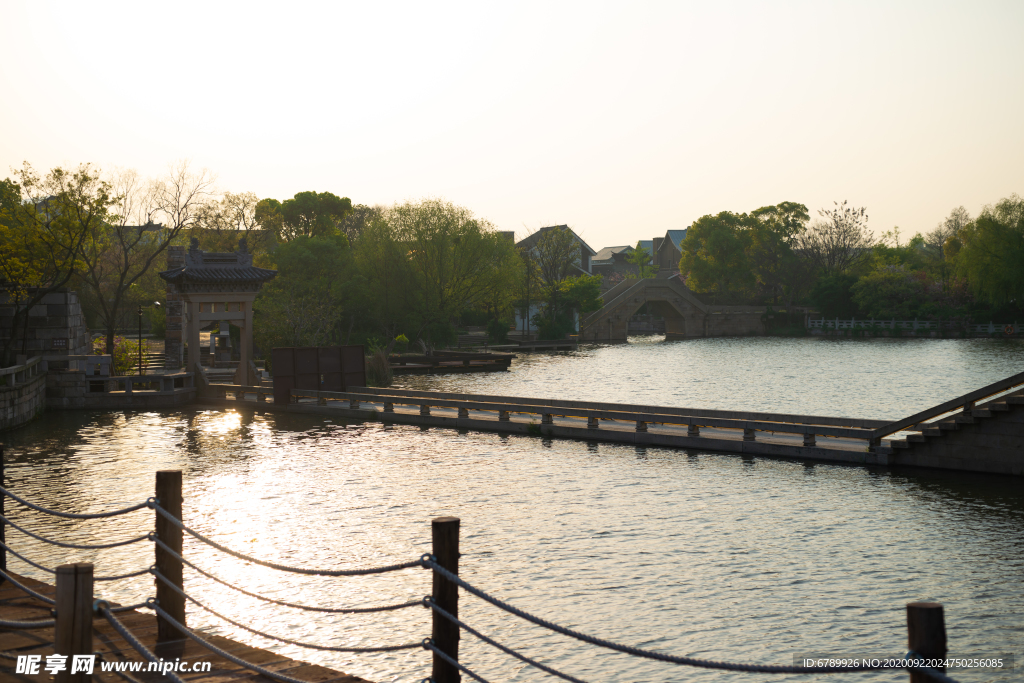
(457, 259)
(641, 259)
(119, 251)
(715, 253)
(838, 242)
(221, 224)
(43, 222)
(305, 304)
(312, 214)
(832, 295)
(381, 258)
(950, 227)
(992, 255)
(774, 231)
(557, 254)
(357, 220)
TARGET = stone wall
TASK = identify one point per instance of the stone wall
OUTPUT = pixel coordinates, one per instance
(20, 404)
(992, 444)
(65, 389)
(55, 325)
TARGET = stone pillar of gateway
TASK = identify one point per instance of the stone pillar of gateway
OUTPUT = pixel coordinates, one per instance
(216, 287)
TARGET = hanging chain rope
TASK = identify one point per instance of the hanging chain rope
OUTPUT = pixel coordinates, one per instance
(27, 624)
(327, 648)
(635, 651)
(37, 596)
(328, 610)
(76, 546)
(24, 559)
(428, 644)
(76, 515)
(219, 652)
(281, 567)
(427, 602)
(104, 609)
(122, 576)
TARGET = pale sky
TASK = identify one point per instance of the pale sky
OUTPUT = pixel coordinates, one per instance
(623, 120)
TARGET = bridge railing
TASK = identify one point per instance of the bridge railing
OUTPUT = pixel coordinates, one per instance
(642, 419)
(962, 405)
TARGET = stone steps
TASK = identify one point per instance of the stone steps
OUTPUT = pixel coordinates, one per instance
(936, 430)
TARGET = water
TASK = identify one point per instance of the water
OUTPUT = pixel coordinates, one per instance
(687, 552)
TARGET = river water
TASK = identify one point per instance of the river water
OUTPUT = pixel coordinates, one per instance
(687, 552)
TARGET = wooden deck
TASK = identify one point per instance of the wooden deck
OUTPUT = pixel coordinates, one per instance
(16, 605)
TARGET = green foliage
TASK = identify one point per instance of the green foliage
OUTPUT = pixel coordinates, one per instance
(833, 296)
(991, 257)
(774, 265)
(307, 214)
(640, 258)
(305, 304)
(715, 253)
(157, 321)
(497, 331)
(125, 356)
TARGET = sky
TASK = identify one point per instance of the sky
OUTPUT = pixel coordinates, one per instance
(623, 120)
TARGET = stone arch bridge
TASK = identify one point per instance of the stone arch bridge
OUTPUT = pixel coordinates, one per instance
(685, 315)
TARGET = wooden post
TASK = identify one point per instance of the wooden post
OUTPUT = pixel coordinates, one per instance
(926, 634)
(692, 429)
(445, 533)
(389, 407)
(72, 634)
(592, 423)
(463, 413)
(425, 410)
(749, 434)
(168, 494)
(641, 426)
(546, 418)
(809, 440)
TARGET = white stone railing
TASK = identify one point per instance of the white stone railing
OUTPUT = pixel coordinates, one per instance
(871, 323)
(18, 374)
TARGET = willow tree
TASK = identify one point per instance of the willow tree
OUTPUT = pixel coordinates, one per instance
(992, 253)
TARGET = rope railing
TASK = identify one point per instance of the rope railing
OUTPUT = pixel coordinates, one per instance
(218, 651)
(75, 515)
(428, 644)
(443, 603)
(282, 567)
(26, 589)
(427, 602)
(312, 646)
(104, 610)
(27, 625)
(308, 608)
(75, 546)
(431, 563)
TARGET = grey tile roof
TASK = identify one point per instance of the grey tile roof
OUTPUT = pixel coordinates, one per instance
(248, 274)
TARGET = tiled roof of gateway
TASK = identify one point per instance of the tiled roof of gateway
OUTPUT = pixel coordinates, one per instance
(246, 274)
